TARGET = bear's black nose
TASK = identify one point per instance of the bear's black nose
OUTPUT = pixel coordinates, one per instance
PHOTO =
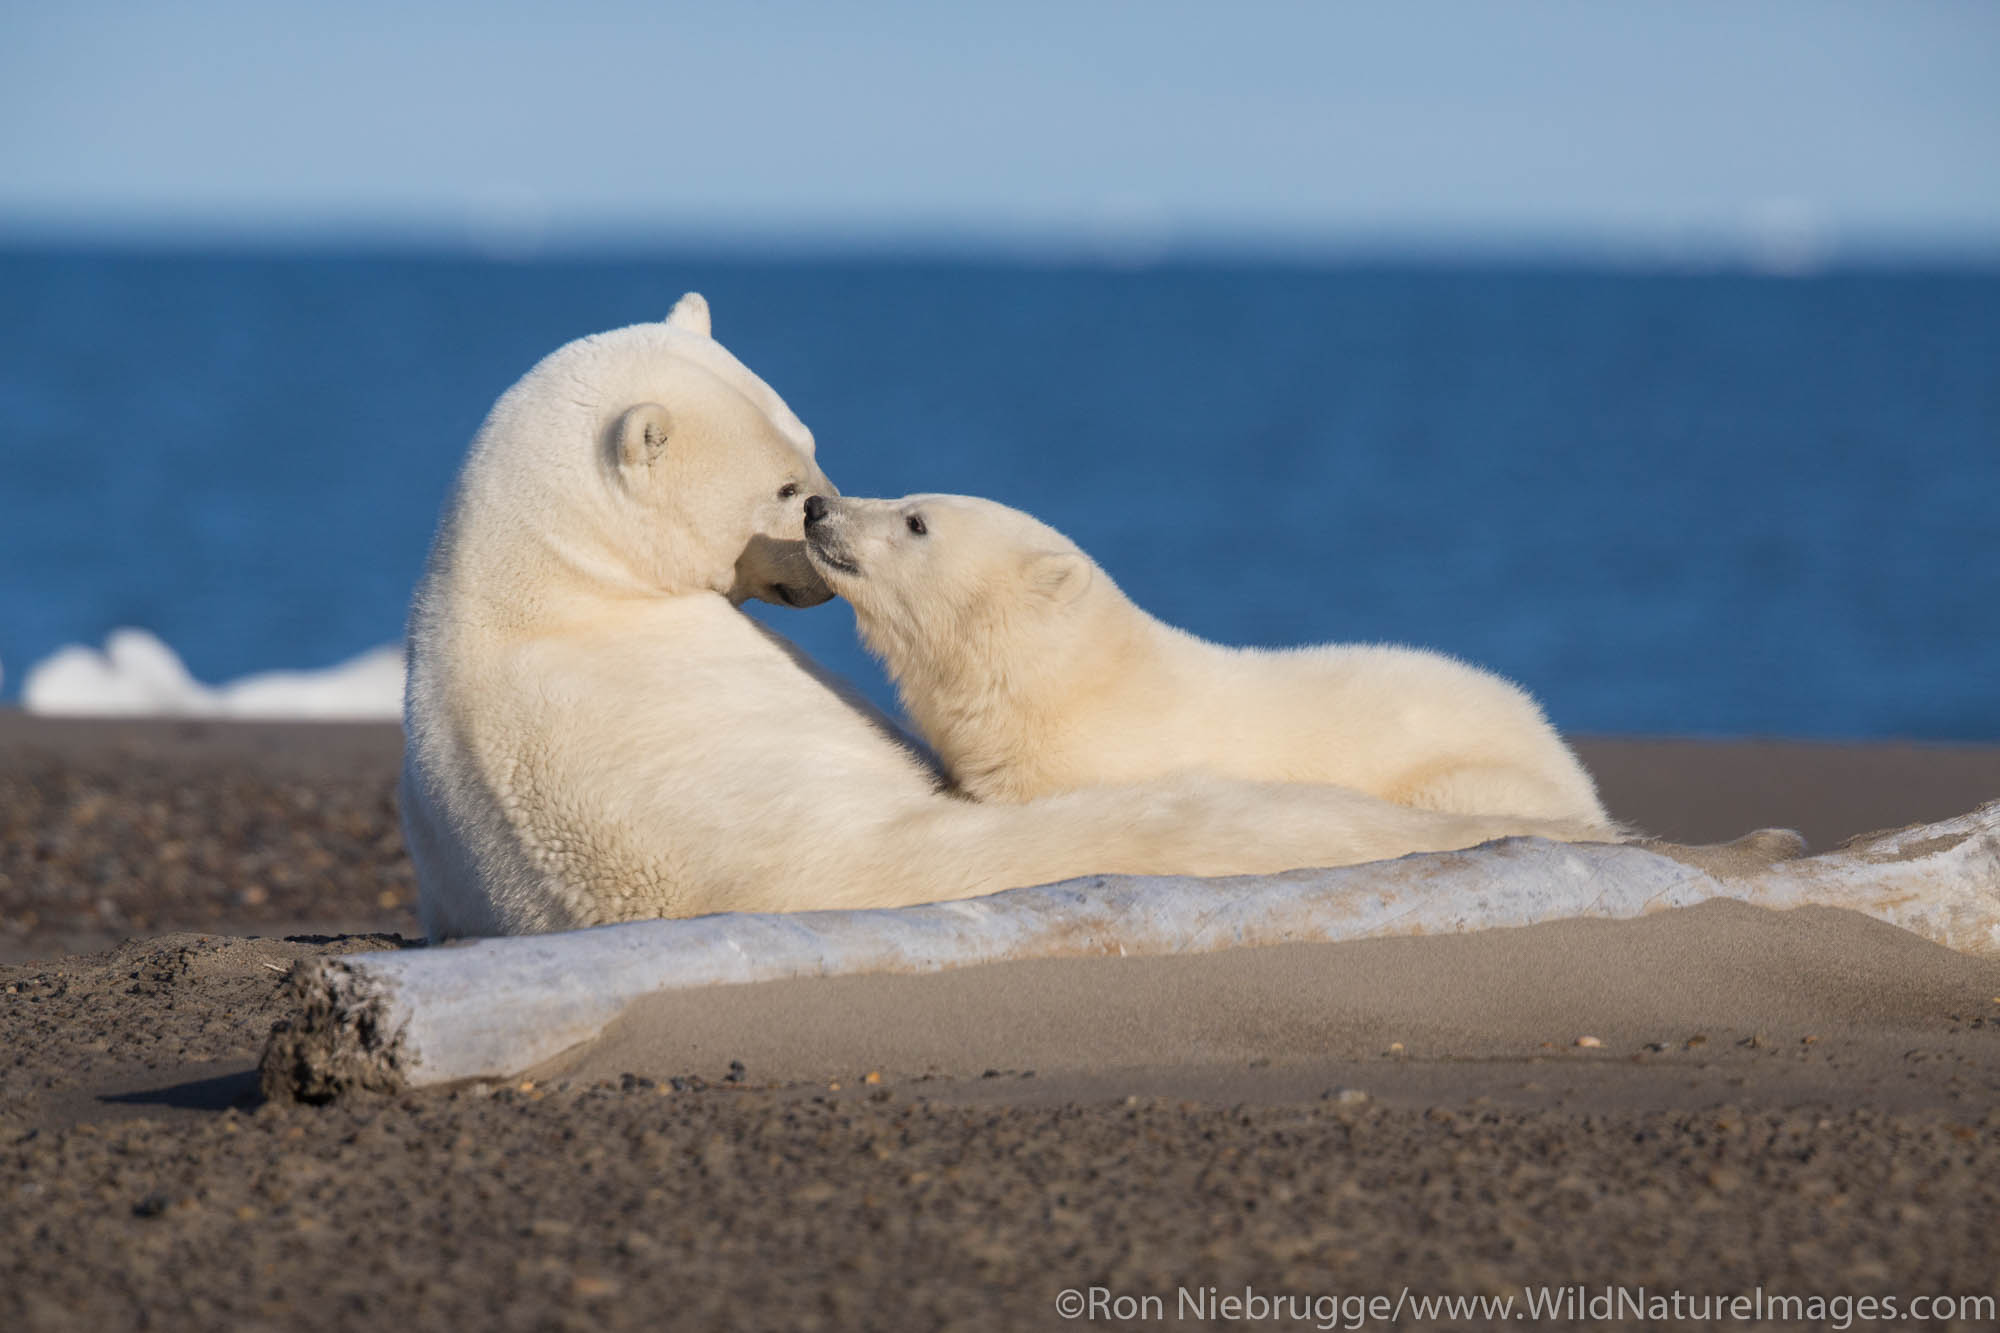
(815, 508)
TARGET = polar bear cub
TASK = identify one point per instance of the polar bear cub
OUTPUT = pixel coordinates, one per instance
(1030, 672)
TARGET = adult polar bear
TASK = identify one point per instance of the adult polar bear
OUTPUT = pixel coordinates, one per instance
(1030, 672)
(596, 732)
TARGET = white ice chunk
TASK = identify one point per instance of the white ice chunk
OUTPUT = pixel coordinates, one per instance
(137, 676)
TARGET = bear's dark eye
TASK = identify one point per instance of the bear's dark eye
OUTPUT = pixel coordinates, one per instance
(788, 490)
(915, 525)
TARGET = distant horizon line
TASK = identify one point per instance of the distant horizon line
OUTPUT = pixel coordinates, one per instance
(1688, 249)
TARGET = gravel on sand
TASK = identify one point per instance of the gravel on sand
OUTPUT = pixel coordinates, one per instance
(1834, 1131)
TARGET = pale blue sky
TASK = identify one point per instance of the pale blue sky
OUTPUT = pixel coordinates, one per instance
(1790, 124)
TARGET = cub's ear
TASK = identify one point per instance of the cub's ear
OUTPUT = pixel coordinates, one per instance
(1060, 576)
(691, 313)
(640, 436)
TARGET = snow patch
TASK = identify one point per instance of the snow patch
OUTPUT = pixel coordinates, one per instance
(138, 675)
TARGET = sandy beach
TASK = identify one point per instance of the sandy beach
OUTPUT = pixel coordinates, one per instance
(1806, 1103)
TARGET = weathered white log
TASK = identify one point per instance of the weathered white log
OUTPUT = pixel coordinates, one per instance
(494, 1008)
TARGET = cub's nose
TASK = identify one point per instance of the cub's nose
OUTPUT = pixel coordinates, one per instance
(815, 508)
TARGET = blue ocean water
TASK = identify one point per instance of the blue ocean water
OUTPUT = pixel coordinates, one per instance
(1666, 502)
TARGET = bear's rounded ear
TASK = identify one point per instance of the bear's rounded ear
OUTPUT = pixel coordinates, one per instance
(640, 436)
(691, 313)
(1060, 576)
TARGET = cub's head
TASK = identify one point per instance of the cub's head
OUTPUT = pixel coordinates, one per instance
(649, 459)
(943, 579)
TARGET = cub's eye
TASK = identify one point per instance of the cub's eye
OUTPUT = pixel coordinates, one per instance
(916, 525)
(788, 490)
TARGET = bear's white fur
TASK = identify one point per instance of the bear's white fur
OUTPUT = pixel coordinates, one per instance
(1030, 673)
(597, 733)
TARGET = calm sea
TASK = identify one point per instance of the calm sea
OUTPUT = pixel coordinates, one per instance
(1667, 503)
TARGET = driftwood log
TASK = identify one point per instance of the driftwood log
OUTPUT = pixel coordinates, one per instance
(491, 1009)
